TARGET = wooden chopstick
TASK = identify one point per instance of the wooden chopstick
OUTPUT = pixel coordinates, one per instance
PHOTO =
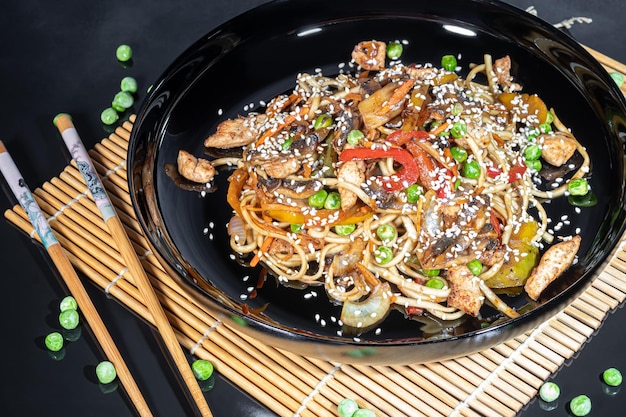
(21, 191)
(74, 144)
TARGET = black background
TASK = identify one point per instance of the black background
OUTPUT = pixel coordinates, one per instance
(59, 56)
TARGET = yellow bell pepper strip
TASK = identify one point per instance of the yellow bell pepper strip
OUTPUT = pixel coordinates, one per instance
(295, 215)
(407, 175)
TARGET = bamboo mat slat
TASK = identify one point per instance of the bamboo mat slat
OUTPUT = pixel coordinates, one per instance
(495, 382)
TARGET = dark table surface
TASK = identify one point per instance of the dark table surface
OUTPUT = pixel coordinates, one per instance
(59, 56)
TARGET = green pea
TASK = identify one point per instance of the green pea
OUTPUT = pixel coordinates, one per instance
(578, 186)
(124, 53)
(322, 121)
(471, 169)
(413, 193)
(532, 152)
(105, 371)
(117, 108)
(69, 319)
(386, 232)
(435, 283)
(394, 50)
(383, 255)
(123, 99)
(457, 109)
(317, 200)
(533, 133)
(448, 62)
(475, 266)
(534, 165)
(549, 392)
(545, 128)
(355, 136)
(580, 405)
(109, 116)
(363, 412)
(128, 84)
(347, 407)
(458, 153)
(202, 369)
(458, 130)
(68, 303)
(345, 229)
(618, 78)
(286, 143)
(612, 377)
(431, 272)
(333, 201)
(54, 341)
(296, 228)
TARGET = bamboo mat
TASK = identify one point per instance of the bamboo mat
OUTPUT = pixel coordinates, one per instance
(495, 382)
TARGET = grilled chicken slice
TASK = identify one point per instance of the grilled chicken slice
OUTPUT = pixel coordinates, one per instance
(233, 133)
(465, 293)
(557, 148)
(352, 172)
(370, 55)
(552, 264)
(194, 169)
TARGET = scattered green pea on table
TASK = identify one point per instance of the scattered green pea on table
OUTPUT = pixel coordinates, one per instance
(105, 372)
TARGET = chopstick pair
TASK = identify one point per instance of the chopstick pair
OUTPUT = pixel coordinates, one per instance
(25, 198)
(74, 144)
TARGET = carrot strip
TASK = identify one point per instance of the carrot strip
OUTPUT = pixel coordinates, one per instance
(286, 122)
(442, 127)
(396, 97)
(264, 247)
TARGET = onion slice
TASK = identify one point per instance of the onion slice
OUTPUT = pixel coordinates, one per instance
(366, 313)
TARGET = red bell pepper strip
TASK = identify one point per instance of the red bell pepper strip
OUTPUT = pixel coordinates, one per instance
(517, 171)
(406, 176)
(493, 219)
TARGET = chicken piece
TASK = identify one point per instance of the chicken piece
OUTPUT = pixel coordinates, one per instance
(420, 73)
(277, 166)
(465, 293)
(351, 172)
(233, 133)
(502, 69)
(370, 55)
(553, 263)
(194, 169)
(557, 148)
(281, 248)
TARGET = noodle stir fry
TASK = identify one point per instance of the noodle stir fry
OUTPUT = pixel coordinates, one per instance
(404, 185)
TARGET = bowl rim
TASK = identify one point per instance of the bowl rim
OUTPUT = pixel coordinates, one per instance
(261, 326)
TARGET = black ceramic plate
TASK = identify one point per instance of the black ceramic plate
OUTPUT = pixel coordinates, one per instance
(258, 55)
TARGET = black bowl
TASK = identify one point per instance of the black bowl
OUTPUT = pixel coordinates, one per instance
(258, 55)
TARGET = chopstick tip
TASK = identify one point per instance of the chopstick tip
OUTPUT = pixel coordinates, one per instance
(63, 121)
